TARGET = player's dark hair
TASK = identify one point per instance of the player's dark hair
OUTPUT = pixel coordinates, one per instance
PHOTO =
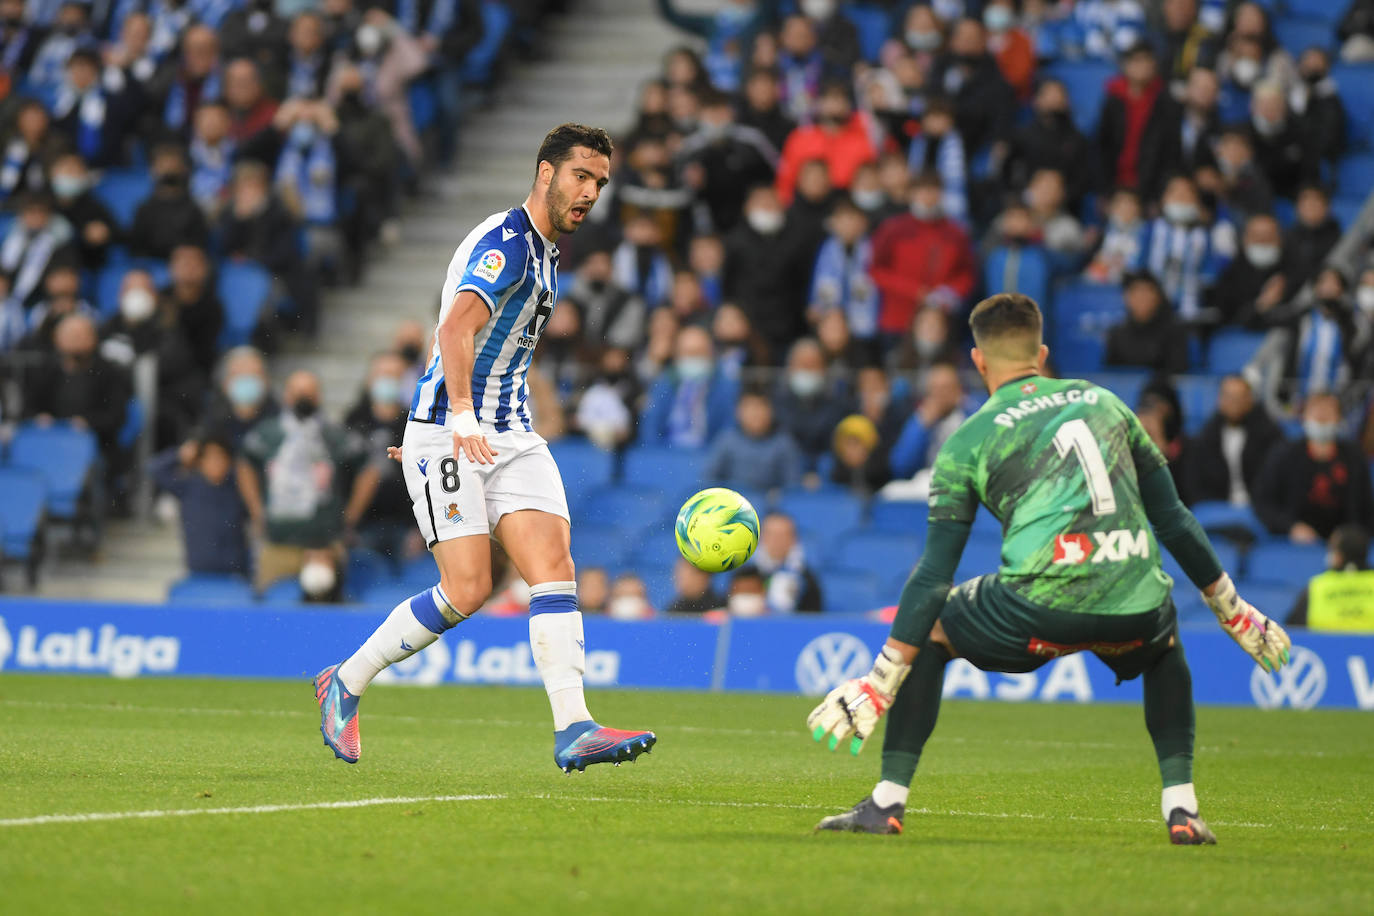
(1005, 315)
(560, 142)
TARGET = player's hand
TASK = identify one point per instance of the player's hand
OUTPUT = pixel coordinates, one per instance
(851, 711)
(394, 453)
(469, 440)
(1261, 638)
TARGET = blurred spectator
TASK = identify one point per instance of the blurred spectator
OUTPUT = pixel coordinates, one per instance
(1010, 46)
(812, 203)
(30, 144)
(255, 226)
(61, 297)
(409, 341)
(885, 408)
(1320, 340)
(1255, 282)
(214, 520)
(605, 410)
(840, 137)
(938, 148)
(694, 593)
(721, 157)
(1050, 140)
(184, 83)
(790, 586)
(369, 168)
(253, 30)
(728, 33)
(1226, 456)
(929, 343)
(593, 588)
(1243, 189)
(1311, 237)
(866, 191)
(307, 178)
(70, 34)
(939, 413)
(251, 112)
(747, 596)
(1362, 321)
(1191, 124)
(706, 258)
(1311, 485)
(768, 262)
(923, 35)
(1342, 598)
(1356, 32)
(562, 353)
(1185, 251)
(447, 31)
(859, 463)
(92, 115)
(808, 402)
(19, 40)
(1057, 230)
(639, 264)
(1282, 153)
(1122, 248)
(647, 186)
(803, 67)
(194, 304)
(761, 107)
(38, 237)
(132, 55)
(242, 397)
(79, 385)
(93, 226)
(169, 216)
(738, 345)
(611, 316)
(1185, 42)
(1130, 128)
(693, 401)
(984, 103)
(389, 59)
(921, 258)
(308, 61)
(895, 182)
(379, 417)
(143, 327)
(842, 352)
(628, 598)
(1253, 53)
(212, 157)
(686, 299)
(661, 346)
(305, 481)
(836, 35)
(1161, 417)
(841, 279)
(1315, 104)
(754, 454)
(1150, 337)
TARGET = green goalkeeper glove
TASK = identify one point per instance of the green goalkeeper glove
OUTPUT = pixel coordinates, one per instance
(1263, 639)
(852, 710)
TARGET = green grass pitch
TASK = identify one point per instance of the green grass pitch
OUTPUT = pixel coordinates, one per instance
(1016, 808)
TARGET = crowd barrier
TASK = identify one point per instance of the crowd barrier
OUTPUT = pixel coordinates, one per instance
(791, 655)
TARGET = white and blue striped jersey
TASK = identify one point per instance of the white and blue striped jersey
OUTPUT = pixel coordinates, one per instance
(514, 270)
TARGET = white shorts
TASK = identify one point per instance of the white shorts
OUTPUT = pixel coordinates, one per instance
(454, 498)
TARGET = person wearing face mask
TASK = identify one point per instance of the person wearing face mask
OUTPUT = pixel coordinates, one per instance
(1131, 123)
(379, 417)
(691, 401)
(80, 386)
(1010, 47)
(169, 216)
(305, 480)
(725, 156)
(369, 162)
(747, 595)
(214, 521)
(755, 454)
(628, 599)
(789, 586)
(1123, 240)
(1282, 153)
(920, 258)
(1223, 461)
(1311, 485)
(92, 223)
(840, 136)
(242, 397)
(808, 402)
(1253, 46)
(605, 410)
(389, 58)
(1050, 140)
(1256, 282)
(1322, 341)
(768, 262)
(1340, 600)
(1186, 250)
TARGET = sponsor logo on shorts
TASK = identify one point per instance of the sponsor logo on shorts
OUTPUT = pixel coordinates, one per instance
(423, 465)
(452, 514)
(1101, 547)
(489, 265)
(1046, 649)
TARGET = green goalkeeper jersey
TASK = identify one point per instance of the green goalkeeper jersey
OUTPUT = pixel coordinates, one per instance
(1058, 463)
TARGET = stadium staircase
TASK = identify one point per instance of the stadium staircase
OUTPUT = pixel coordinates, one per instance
(589, 68)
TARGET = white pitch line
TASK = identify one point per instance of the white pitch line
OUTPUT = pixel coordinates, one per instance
(249, 809)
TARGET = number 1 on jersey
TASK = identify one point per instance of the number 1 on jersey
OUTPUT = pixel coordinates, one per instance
(1074, 436)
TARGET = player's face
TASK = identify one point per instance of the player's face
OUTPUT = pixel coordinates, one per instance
(574, 188)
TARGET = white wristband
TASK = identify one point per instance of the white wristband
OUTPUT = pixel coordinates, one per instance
(464, 424)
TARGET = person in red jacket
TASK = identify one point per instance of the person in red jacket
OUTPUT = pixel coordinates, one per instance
(842, 137)
(922, 258)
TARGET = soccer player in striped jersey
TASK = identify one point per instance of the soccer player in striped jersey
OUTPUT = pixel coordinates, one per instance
(475, 468)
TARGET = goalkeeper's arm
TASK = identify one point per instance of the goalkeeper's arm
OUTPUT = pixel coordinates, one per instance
(927, 587)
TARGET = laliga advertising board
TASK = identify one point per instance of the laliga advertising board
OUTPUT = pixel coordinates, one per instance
(789, 655)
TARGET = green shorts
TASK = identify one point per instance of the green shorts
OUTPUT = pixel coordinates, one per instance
(996, 630)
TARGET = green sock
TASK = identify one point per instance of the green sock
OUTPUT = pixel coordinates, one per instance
(1169, 715)
(912, 716)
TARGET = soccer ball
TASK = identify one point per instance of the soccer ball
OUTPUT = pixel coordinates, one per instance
(717, 530)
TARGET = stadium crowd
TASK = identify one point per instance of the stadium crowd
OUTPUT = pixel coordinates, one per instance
(808, 200)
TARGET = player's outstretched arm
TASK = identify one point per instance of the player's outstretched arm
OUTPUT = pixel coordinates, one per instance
(1176, 528)
(457, 345)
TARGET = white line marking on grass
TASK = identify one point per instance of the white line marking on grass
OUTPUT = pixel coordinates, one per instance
(249, 809)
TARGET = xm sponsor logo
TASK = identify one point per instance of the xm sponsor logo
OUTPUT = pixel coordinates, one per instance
(83, 649)
(467, 663)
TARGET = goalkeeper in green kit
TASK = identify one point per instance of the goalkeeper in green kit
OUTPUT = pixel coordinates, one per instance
(1082, 495)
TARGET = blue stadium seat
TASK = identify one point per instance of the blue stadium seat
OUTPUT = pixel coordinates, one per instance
(600, 545)
(64, 456)
(631, 509)
(1355, 174)
(1327, 12)
(1086, 81)
(982, 555)
(673, 469)
(1227, 553)
(1270, 599)
(245, 289)
(1297, 35)
(852, 591)
(1279, 561)
(1355, 83)
(135, 417)
(385, 594)
(366, 568)
(883, 554)
(1082, 313)
(122, 190)
(6, 223)
(1197, 394)
(1018, 270)
(1190, 606)
(1231, 349)
(1347, 209)
(207, 588)
(22, 495)
(818, 510)
(496, 23)
(283, 591)
(873, 25)
(653, 548)
(424, 103)
(581, 464)
(1125, 385)
(1214, 515)
(899, 516)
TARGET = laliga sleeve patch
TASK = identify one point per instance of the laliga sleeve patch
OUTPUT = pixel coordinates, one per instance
(489, 265)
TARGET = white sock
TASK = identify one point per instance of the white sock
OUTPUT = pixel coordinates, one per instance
(409, 627)
(1181, 796)
(557, 644)
(888, 793)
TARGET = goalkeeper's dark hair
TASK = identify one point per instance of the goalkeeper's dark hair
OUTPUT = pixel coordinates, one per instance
(560, 142)
(1006, 315)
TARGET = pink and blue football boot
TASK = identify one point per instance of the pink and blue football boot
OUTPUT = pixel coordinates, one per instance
(584, 743)
(338, 716)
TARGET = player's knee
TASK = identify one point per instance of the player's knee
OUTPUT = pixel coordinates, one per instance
(467, 592)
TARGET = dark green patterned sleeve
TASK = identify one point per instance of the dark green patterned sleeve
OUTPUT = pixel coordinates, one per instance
(923, 596)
